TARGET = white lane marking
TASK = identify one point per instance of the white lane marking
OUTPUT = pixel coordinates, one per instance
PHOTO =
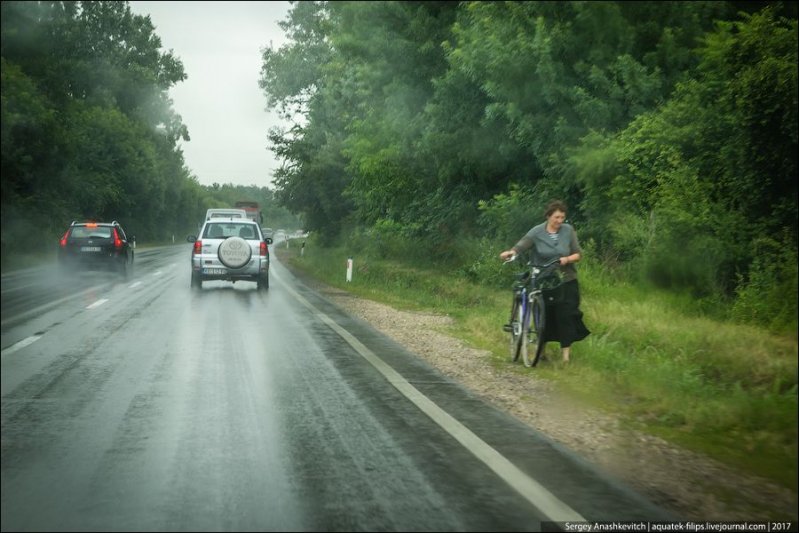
(157, 273)
(98, 303)
(527, 487)
(55, 303)
(134, 285)
(20, 345)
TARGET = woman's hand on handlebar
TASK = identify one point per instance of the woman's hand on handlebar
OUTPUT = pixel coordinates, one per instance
(507, 255)
(573, 258)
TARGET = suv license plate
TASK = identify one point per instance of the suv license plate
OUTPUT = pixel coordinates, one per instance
(89, 248)
(214, 271)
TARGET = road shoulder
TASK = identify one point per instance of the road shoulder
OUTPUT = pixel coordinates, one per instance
(690, 485)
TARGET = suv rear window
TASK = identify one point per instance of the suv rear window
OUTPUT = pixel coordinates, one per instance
(221, 230)
(89, 231)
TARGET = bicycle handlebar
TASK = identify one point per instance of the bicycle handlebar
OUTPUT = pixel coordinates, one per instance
(514, 256)
(556, 260)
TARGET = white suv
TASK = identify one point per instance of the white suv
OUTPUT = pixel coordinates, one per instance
(230, 249)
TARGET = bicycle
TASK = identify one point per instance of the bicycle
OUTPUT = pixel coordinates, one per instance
(528, 313)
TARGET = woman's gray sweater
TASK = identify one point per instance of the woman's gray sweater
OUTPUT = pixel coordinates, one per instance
(545, 247)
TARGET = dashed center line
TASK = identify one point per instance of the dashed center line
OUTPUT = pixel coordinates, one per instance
(20, 345)
(98, 303)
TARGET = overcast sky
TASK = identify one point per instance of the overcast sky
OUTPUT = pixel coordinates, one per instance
(220, 102)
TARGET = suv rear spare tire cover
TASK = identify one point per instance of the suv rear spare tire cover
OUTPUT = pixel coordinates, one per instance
(234, 252)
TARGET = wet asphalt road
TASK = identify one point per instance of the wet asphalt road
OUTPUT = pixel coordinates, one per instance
(141, 404)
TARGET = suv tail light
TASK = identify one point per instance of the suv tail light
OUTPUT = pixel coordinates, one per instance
(63, 240)
(264, 249)
(198, 247)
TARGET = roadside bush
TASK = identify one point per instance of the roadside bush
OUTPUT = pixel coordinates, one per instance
(486, 268)
(768, 298)
(510, 215)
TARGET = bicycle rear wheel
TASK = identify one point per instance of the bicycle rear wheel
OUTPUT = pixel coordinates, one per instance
(533, 344)
(516, 329)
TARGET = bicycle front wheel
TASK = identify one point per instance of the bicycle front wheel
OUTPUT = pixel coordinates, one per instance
(516, 329)
(534, 332)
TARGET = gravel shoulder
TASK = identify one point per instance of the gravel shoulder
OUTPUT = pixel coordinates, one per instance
(692, 486)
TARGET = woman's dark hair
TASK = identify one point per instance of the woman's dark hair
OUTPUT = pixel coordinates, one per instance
(555, 205)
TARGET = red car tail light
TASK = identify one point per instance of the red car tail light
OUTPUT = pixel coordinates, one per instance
(264, 249)
(117, 240)
(198, 247)
(63, 240)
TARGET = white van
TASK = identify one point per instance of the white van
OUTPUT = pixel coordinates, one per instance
(225, 212)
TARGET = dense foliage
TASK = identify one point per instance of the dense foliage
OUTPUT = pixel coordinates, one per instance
(670, 129)
(88, 129)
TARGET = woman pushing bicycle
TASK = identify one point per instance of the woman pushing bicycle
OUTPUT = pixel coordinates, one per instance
(550, 240)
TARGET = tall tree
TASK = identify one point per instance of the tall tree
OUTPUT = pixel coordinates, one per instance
(297, 82)
(89, 81)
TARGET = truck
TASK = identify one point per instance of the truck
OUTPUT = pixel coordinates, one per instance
(225, 212)
(252, 209)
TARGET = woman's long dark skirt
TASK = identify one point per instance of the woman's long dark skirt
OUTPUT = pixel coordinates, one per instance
(564, 320)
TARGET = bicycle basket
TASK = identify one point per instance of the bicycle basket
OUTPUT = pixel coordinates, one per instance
(551, 285)
(550, 280)
(521, 280)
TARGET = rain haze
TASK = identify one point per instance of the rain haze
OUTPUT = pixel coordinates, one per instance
(220, 102)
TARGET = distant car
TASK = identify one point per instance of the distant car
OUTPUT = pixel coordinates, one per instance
(268, 232)
(231, 249)
(96, 245)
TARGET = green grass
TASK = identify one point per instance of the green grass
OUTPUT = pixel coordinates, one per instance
(654, 358)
